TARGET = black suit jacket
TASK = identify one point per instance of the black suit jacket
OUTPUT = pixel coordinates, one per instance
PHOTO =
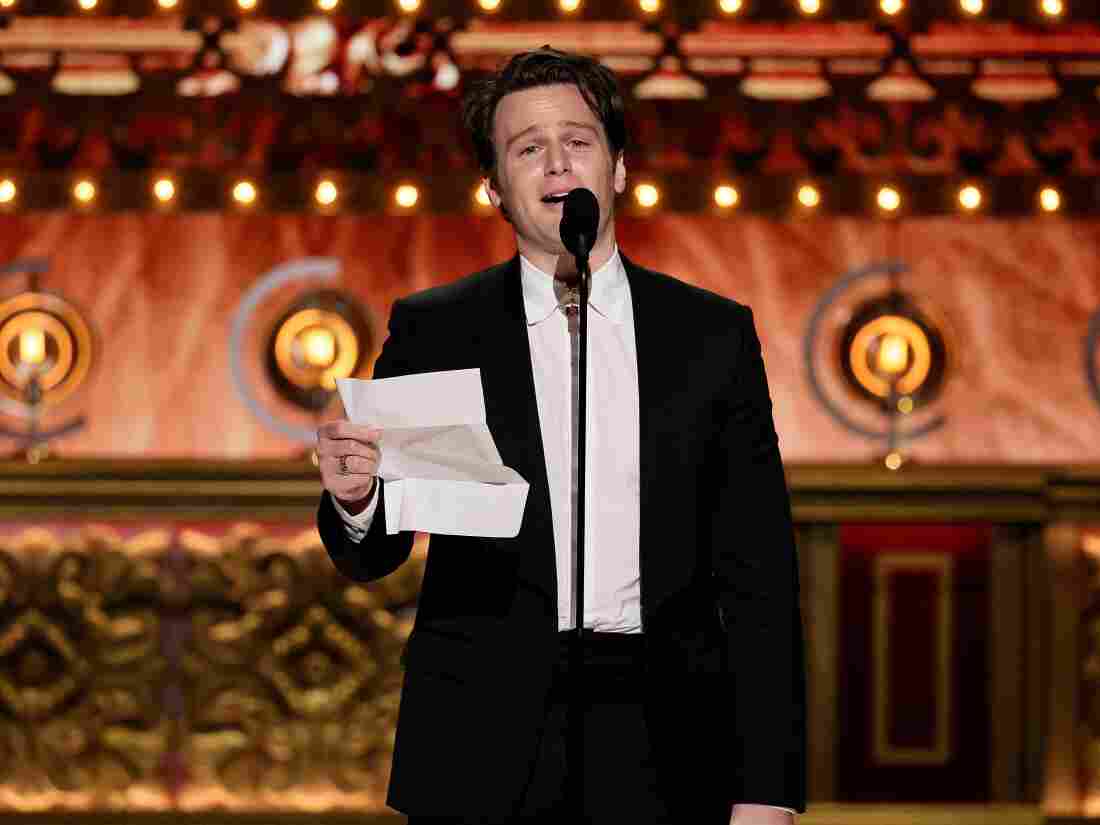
(719, 576)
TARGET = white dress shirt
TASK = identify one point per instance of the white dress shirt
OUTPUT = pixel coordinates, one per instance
(612, 572)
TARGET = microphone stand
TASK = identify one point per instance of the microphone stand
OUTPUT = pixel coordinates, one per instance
(575, 718)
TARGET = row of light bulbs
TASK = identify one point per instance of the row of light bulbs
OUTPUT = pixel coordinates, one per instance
(970, 196)
(1052, 9)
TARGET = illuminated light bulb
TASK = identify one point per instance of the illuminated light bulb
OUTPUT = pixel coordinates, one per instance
(730, 6)
(888, 199)
(973, 7)
(1050, 199)
(905, 404)
(894, 461)
(408, 6)
(84, 191)
(1052, 8)
(481, 196)
(891, 7)
(646, 194)
(246, 5)
(167, 4)
(893, 354)
(87, 5)
(32, 346)
(569, 6)
(164, 190)
(319, 347)
(7, 4)
(650, 6)
(406, 196)
(326, 193)
(809, 6)
(244, 192)
(808, 196)
(7, 191)
(327, 5)
(970, 197)
(489, 5)
(726, 196)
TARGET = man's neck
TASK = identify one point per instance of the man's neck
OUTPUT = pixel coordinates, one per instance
(564, 267)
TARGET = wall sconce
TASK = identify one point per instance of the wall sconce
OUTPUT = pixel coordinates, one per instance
(889, 356)
(320, 335)
(46, 352)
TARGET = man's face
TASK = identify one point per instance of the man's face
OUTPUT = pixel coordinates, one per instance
(548, 142)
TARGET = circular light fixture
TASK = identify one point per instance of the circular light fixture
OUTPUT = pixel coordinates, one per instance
(650, 6)
(167, 4)
(1052, 8)
(810, 7)
(726, 196)
(323, 336)
(87, 5)
(408, 6)
(45, 351)
(892, 353)
(246, 5)
(489, 5)
(327, 5)
(972, 7)
(569, 6)
(891, 7)
(647, 195)
(7, 4)
(730, 6)
(8, 190)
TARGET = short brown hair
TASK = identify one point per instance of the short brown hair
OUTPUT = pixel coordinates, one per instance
(543, 67)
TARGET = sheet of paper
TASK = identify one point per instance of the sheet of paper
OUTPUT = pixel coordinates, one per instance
(442, 470)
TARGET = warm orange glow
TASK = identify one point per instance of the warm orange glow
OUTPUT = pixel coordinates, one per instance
(730, 6)
(891, 7)
(646, 195)
(809, 6)
(650, 6)
(406, 196)
(319, 347)
(32, 346)
(808, 196)
(973, 7)
(1052, 8)
(84, 191)
(1050, 199)
(326, 193)
(164, 190)
(726, 196)
(481, 196)
(7, 191)
(489, 5)
(893, 354)
(889, 199)
(244, 192)
(569, 6)
(970, 197)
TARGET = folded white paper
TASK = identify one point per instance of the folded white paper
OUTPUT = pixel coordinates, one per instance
(441, 467)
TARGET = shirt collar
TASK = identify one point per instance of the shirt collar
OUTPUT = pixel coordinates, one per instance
(608, 295)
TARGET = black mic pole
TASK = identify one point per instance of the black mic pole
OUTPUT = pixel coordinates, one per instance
(576, 723)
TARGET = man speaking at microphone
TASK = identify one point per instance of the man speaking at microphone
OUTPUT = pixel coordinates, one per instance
(693, 669)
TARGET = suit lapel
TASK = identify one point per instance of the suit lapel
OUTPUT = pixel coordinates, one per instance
(650, 349)
(512, 415)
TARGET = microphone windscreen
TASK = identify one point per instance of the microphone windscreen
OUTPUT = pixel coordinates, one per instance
(579, 221)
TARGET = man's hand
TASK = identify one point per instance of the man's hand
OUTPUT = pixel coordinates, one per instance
(760, 815)
(342, 446)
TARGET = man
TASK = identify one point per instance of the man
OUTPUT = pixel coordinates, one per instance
(693, 642)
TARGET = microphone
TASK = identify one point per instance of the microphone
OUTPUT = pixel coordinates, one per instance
(579, 221)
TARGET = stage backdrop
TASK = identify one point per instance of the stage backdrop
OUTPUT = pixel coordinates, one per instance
(161, 290)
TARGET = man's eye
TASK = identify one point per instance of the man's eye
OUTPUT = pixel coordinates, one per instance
(527, 149)
(579, 142)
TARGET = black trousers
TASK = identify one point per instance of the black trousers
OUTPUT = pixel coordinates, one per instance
(618, 781)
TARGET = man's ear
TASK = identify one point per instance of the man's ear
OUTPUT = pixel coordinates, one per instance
(489, 185)
(620, 174)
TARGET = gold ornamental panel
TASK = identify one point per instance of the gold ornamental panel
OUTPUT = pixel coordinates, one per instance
(179, 669)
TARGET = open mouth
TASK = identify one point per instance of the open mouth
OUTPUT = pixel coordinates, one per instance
(555, 198)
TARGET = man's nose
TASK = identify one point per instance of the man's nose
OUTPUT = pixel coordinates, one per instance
(557, 160)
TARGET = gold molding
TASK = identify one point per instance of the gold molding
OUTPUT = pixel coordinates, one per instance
(288, 489)
(886, 565)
